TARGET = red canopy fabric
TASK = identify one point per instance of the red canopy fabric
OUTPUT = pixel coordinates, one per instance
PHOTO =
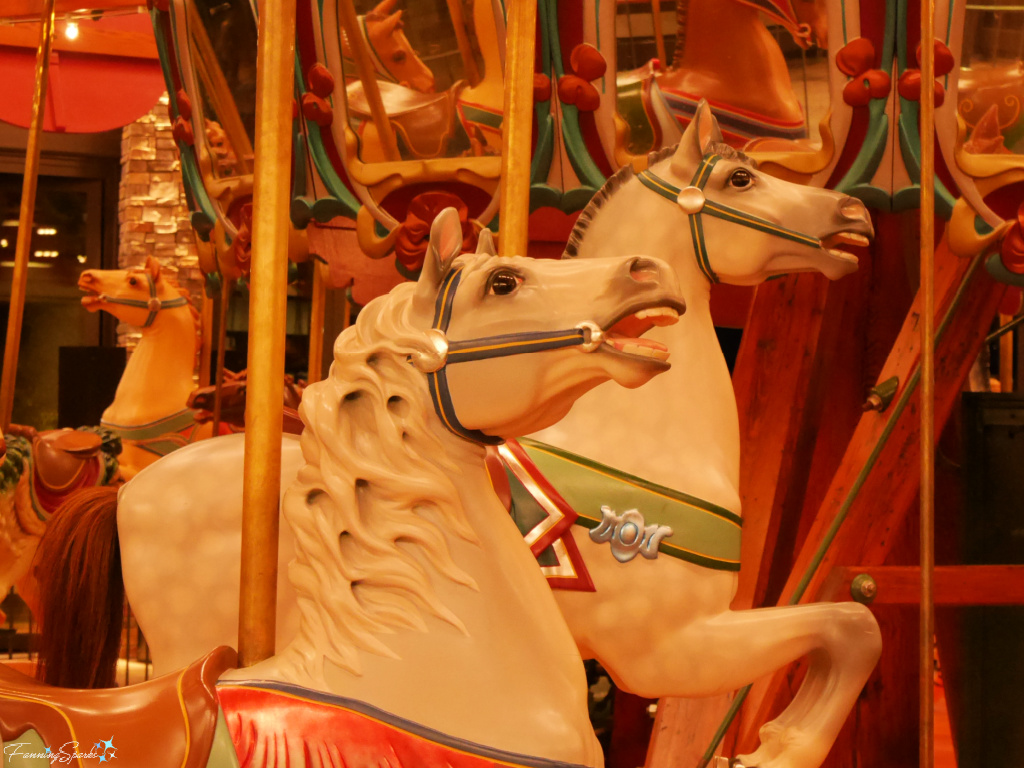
(108, 77)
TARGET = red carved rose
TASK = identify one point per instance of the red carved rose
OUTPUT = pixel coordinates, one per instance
(856, 59)
(414, 232)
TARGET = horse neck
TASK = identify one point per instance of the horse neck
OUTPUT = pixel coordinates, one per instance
(681, 430)
(719, 70)
(158, 377)
(509, 611)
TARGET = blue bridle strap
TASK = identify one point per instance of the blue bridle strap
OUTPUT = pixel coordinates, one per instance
(154, 305)
(483, 348)
(671, 192)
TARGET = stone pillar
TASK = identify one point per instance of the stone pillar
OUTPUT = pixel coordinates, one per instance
(152, 212)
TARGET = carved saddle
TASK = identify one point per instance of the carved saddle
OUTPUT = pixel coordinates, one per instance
(168, 722)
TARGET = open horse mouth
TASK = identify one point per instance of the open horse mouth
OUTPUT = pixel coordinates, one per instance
(92, 300)
(832, 242)
(624, 334)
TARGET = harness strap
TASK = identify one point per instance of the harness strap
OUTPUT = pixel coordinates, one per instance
(695, 203)
(154, 305)
(484, 348)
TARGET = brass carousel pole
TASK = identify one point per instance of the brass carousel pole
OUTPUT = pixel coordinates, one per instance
(19, 281)
(367, 76)
(517, 127)
(926, 746)
(268, 310)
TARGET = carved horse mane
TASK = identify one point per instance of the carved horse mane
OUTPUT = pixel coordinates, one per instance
(366, 444)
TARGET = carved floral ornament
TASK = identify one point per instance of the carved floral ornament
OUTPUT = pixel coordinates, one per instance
(857, 60)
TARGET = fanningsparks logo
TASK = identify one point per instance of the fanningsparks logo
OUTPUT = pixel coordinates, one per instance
(102, 751)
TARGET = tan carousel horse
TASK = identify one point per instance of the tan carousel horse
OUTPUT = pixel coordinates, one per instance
(149, 412)
(147, 419)
(725, 54)
(426, 635)
(394, 59)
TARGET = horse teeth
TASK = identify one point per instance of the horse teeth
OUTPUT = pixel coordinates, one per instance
(659, 315)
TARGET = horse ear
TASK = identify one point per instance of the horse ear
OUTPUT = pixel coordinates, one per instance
(390, 23)
(707, 126)
(485, 243)
(153, 267)
(701, 132)
(445, 245)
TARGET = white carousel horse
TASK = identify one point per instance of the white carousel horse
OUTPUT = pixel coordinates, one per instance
(149, 412)
(420, 610)
(706, 210)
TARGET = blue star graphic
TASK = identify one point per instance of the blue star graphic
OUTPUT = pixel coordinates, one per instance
(48, 750)
(108, 744)
(103, 758)
(98, 746)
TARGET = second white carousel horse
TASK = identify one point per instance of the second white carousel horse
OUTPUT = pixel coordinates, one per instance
(672, 453)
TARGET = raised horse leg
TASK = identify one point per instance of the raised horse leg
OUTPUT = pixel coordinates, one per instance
(663, 628)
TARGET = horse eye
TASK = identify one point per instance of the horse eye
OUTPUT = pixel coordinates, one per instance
(398, 57)
(132, 281)
(504, 282)
(741, 178)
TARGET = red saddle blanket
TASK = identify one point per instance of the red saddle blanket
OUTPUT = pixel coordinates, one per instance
(277, 724)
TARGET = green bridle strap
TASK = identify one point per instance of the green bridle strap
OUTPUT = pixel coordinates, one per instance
(695, 203)
(154, 305)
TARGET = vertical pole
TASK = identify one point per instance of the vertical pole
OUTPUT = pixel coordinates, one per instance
(368, 76)
(927, 125)
(316, 323)
(517, 127)
(469, 68)
(1006, 344)
(659, 35)
(206, 339)
(268, 309)
(19, 281)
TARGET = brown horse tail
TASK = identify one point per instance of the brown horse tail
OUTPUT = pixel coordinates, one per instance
(78, 566)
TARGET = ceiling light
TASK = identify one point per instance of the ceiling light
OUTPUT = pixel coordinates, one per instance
(71, 30)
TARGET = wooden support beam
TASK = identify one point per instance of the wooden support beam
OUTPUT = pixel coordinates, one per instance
(268, 310)
(954, 585)
(26, 218)
(877, 482)
(98, 42)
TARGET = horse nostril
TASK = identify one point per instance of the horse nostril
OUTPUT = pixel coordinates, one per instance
(643, 270)
(851, 208)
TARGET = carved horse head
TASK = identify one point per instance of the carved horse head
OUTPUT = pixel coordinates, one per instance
(392, 54)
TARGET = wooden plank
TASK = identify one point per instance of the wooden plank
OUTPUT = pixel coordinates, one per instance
(781, 337)
(890, 488)
(955, 585)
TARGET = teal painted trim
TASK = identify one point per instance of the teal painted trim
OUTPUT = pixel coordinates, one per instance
(981, 226)
(995, 267)
(842, 8)
(871, 196)
(546, 196)
(483, 116)
(579, 158)
(203, 215)
(898, 15)
(335, 186)
(910, 145)
(582, 163)
(544, 149)
(871, 151)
